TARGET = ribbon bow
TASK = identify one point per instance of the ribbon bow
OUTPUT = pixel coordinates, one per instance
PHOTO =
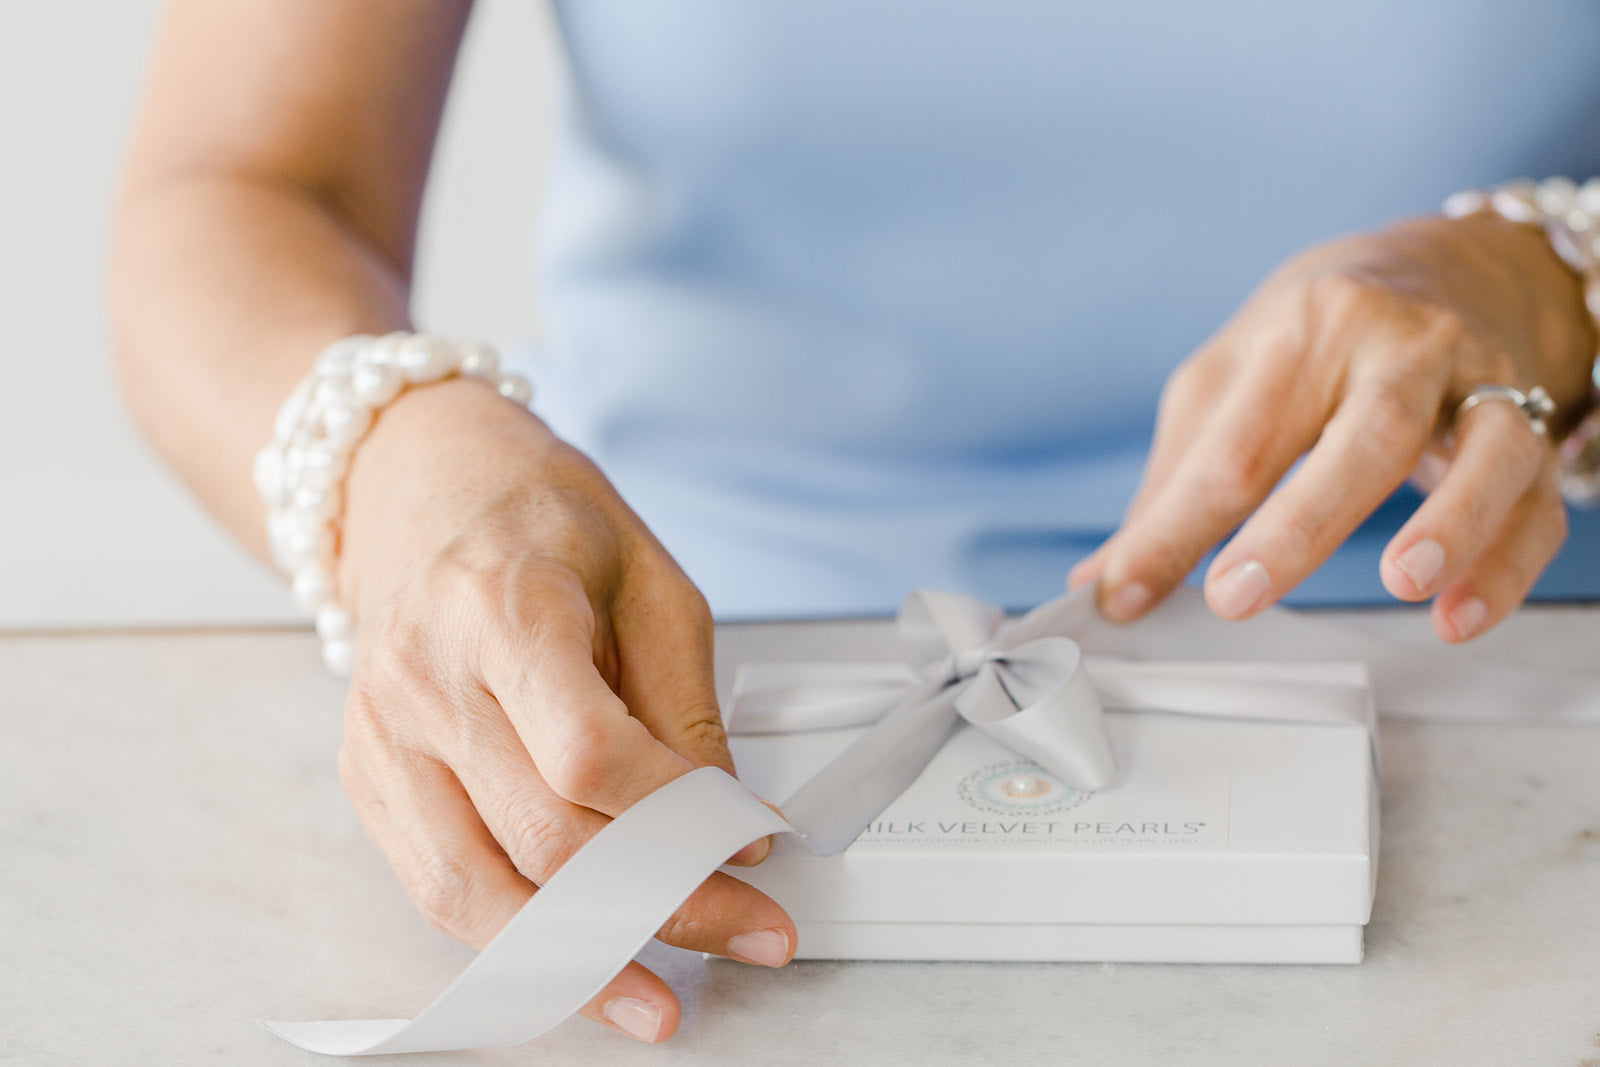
(1023, 684)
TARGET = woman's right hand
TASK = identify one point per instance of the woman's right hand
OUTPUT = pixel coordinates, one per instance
(530, 662)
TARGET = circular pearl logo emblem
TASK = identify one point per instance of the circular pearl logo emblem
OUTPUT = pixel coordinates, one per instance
(1017, 787)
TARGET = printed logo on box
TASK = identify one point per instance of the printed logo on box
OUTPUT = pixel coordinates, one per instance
(1017, 787)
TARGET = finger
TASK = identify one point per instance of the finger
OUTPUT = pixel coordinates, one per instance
(579, 733)
(1496, 458)
(416, 812)
(1189, 395)
(464, 885)
(1252, 438)
(1368, 448)
(664, 644)
(1499, 579)
(1087, 570)
(1189, 398)
(540, 832)
(636, 1003)
(664, 639)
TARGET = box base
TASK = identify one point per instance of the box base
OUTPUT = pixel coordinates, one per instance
(1080, 943)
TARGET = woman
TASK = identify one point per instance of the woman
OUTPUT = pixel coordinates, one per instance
(845, 300)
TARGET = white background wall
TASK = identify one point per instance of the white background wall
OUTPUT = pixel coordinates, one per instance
(93, 532)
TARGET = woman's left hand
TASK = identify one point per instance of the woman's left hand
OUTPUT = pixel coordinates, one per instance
(1356, 355)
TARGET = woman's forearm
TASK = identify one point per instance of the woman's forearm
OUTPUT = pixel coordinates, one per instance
(223, 290)
(268, 205)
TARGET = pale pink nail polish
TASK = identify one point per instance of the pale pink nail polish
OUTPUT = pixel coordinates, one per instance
(1127, 601)
(769, 948)
(1422, 563)
(636, 1018)
(1243, 589)
(1467, 617)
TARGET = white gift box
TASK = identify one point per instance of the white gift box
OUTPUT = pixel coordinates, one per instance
(1220, 840)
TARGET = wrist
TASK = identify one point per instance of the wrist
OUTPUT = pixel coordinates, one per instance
(302, 473)
(430, 461)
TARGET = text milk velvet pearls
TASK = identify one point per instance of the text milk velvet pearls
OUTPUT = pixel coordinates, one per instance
(300, 474)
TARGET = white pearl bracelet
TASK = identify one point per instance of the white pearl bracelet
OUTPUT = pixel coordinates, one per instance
(300, 474)
(1569, 214)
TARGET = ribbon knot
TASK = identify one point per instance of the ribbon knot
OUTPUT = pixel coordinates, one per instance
(967, 662)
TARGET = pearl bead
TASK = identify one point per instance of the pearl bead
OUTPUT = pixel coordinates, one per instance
(270, 477)
(1025, 787)
(346, 422)
(323, 502)
(385, 351)
(1589, 196)
(294, 538)
(479, 361)
(514, 387)
(333, 623)
(337, 359)
(375, 384)
(423, 359)
(331, 392)
(1575, 251)
(1578, 221)
(1557, 196)
(1459, 205)
(1591, 298)
(311, 588)
(340, 656)
(1517, 202)
(326, 458)
(314, 481)
(293, 409)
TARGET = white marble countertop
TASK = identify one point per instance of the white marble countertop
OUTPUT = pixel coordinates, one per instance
(177, 860)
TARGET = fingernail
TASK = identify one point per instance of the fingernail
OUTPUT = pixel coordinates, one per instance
(1422, 563)
(769, 948)
(1468, 616)
(634, 1017)
(1241, 590)
(1127, 601)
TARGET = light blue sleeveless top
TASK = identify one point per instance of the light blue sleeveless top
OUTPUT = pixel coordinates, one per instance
(853, 296)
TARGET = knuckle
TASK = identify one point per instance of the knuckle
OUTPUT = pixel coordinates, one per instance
(1346, 296)
(1236, 478)
(445, 892)
(1437, 327)
(1389, 426)
(686, 929)
(1195, 377)
(704, 729)
(365, 722)
(1162, 560)
(1301, 541)
(586, 759)
(1466, 516)
(541, 842)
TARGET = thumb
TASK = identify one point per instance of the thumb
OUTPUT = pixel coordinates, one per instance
(665, 645)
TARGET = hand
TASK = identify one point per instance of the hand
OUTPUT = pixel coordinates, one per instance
(530, 662)
(1355, 356)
